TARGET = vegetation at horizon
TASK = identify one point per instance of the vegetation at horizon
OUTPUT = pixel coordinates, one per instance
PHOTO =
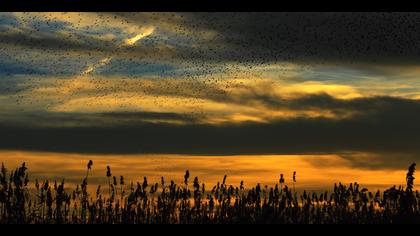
(191, 202)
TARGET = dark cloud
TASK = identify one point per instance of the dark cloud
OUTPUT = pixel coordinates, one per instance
(312, 37)
(380, 160)
(253, 38)
(83, 44)
(71, 119)
(53, 42)
(141, 116)
(366, 105)
(137, 68)
(8, 69)
(390, 125)
(391, 107)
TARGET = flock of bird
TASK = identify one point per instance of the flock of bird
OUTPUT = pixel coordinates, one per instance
(59, 53)
(203, 53)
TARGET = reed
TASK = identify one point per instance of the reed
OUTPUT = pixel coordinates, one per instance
(161, 203)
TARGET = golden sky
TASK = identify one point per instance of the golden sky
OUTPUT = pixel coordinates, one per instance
(314, 172)
(206, 85)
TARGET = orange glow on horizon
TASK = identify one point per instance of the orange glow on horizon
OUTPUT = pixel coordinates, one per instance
(264, 169)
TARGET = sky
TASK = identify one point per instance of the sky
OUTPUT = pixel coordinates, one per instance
(213, 84)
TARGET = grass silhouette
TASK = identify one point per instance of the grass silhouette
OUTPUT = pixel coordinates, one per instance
(163, 203)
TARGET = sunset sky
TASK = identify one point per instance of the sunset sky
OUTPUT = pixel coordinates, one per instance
(213, 84)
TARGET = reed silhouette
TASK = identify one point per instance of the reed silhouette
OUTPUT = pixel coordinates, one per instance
(163, 203)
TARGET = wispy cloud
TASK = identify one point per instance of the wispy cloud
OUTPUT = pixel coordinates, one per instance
(128, 42)
(131, 41)
(93, 67)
